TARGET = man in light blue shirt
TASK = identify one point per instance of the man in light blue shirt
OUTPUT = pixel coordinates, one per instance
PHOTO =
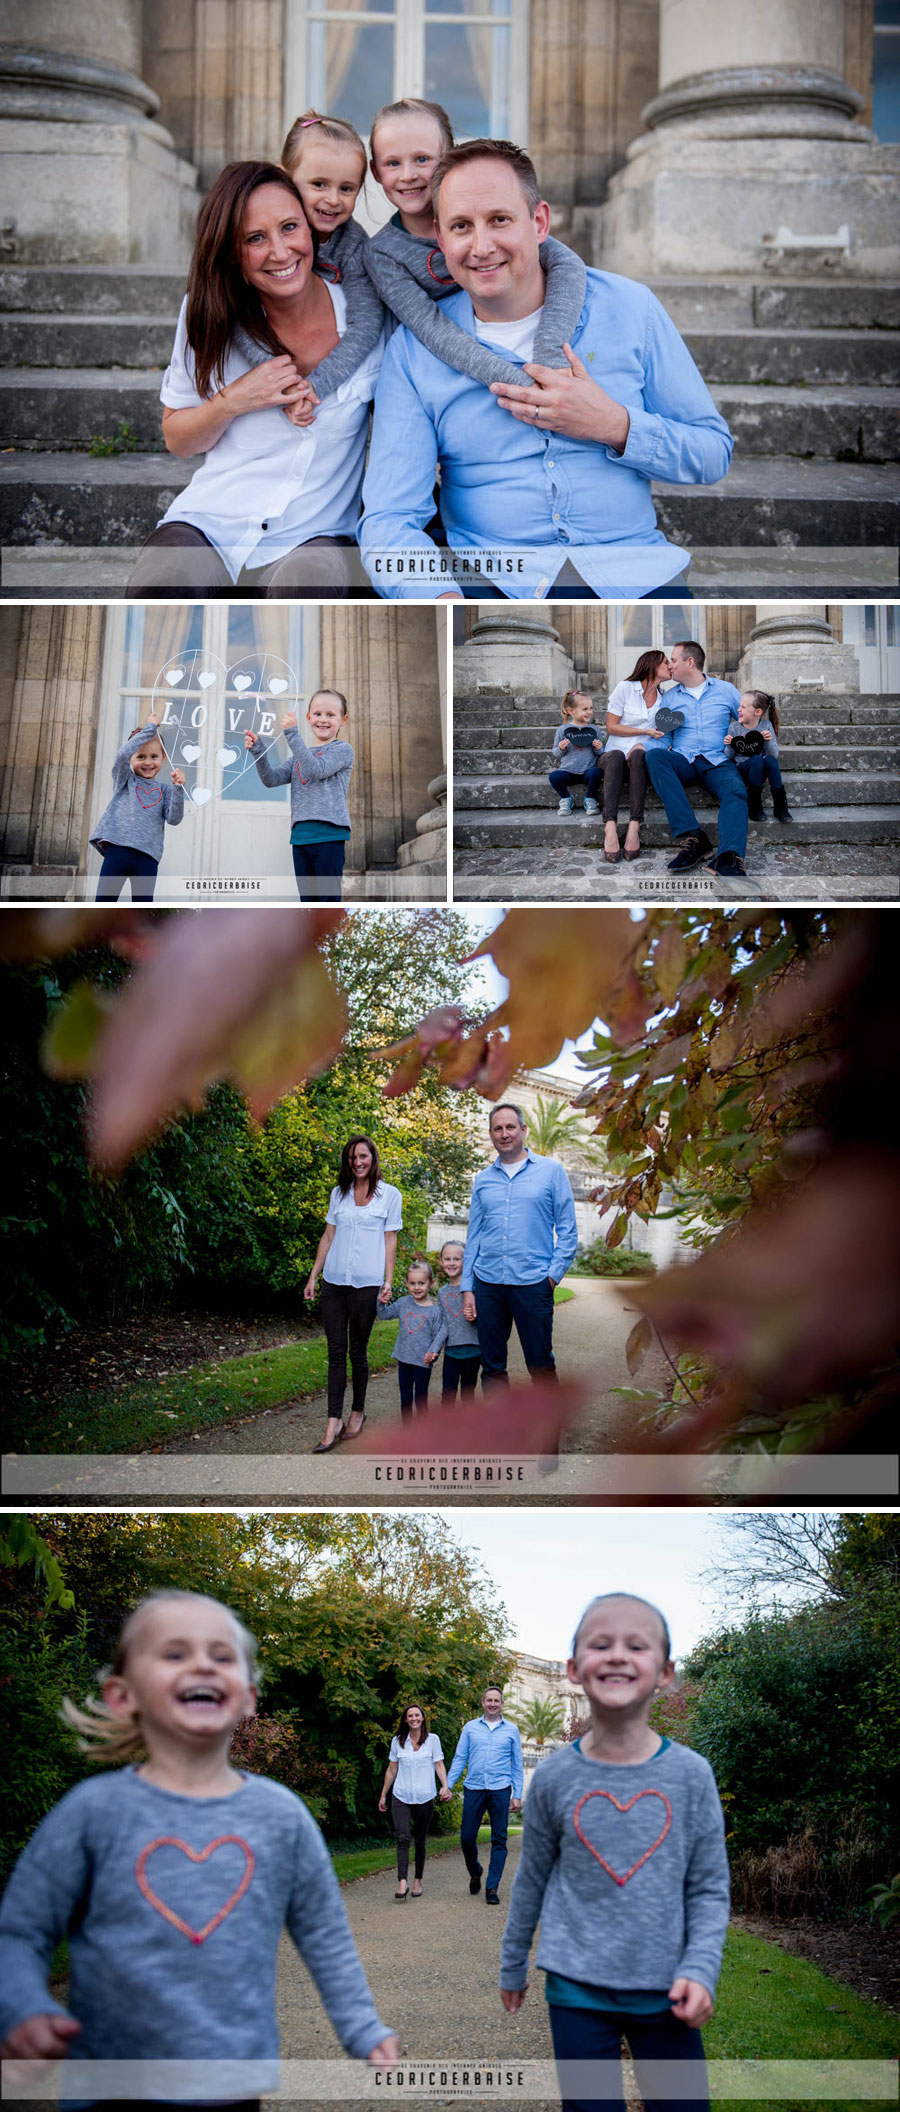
(698, 756)
(521, 1240)
(489, 1754)
(553, 478)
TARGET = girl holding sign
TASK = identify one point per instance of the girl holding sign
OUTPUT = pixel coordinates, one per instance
(131, 830)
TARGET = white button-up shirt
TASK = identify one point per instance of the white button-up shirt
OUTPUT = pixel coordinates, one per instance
(414, 1782)
(629, 704)
(356, 1255)
(267, 485)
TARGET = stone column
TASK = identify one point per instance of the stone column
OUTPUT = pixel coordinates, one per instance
(383, 659)
(46, 782)
(239, 83)
(518, 650)
(752, 157)
(90, 176)
(792, 647)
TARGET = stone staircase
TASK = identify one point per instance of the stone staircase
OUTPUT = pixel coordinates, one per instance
(804, 371)
(839, 754)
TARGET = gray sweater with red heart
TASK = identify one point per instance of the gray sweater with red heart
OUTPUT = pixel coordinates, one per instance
(140, 807)
(422, 1327)
(174, 1908)
(626, 1869)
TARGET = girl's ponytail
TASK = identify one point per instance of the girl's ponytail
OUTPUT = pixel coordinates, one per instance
(767, 706)
(101, 1735)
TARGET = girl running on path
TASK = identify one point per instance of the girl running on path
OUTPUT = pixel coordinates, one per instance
(173, 1880)
(624, 1863)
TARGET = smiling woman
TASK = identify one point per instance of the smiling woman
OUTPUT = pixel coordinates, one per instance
(275, 501)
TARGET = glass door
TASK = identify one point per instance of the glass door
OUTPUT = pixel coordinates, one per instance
(210, 672)
(873, 630)
(638, 626)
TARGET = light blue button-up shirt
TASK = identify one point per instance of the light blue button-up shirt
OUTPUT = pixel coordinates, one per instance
(540, 497)
(490, 1759)
(513, 1220)
(707, 713)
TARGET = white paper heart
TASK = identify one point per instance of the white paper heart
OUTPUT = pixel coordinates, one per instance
(174, 674)
(208, 676)
(243, 681)
(226, 756)
(201, 794)
(277, 686)
(190, 752)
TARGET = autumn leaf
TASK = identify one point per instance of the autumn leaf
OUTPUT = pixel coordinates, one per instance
(669, 961)
(563, 974)
(669, 1056)
(638, 1344)
(44, 934)
(517, 1421)
(231, 993)
(72, 1039)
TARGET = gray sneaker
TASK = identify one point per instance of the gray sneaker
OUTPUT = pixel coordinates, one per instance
(566, 805)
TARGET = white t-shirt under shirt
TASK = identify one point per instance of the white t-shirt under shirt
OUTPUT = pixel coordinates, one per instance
(517, 338)
(414, 1782)
(356, 1255)
(267, 485)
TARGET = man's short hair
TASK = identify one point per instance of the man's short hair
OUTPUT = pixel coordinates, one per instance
(493, 1687)
(506, 1107)
(694, 651)
(493, 150)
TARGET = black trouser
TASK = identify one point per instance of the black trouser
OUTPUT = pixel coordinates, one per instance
(318, 868)
(615, 764)
(348, 1317)
(460, 1374)
(413, 1386)
(121, 863)
(414, 1817)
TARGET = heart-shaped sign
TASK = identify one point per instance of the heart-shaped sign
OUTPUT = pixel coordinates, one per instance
(201, 794)
(225, 756)
(277, 687)
(243, 682)
(174, 674)
(190, 751)
(194, 1855)
(204, 679)
(614, 1874)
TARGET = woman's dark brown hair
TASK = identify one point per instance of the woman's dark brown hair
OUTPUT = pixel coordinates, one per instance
(644, 669)
(219, 297)
(403, 1729)
(346, 1177)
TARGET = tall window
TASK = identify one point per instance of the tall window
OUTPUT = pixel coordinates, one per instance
(873, 630)
(639, 626)
(886, 70)
(347, 57)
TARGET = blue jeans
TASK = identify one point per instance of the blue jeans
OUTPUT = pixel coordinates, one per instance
(755, 769)
(318, 868)
(475, 1803)
(669, 772)
(596, 2035)
(530, 1306)
(121, 863)
(565, 781)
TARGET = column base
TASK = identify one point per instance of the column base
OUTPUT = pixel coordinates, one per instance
(512, 652)
(799, 653)
(750, 170)
(94, 177)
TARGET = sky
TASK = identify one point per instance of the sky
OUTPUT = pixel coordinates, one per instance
(546, 1564)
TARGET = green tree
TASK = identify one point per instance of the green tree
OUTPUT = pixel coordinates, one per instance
(552, 1130)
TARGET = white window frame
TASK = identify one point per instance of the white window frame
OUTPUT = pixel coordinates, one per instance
(616, 646)
(879, 664)
(408, 18)
(203, 847)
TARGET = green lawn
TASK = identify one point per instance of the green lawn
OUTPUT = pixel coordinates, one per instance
(364, 1862)
(773, 2006)
(133, 1418)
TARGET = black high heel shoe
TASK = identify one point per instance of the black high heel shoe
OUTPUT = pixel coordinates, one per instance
(349, 1435)
(322, 1447)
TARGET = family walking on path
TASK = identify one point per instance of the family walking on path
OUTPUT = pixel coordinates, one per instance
(174, 1875)
(522, 1238)
(549, 394)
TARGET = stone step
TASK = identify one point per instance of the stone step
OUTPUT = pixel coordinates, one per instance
(849, 424)
(534, 832)
(75, 499)
(849, 503)
(486, 720)
(800, 304)
(76, 340)
(813, 788)
(814, 357)
(95, 289)
(802, 875)
(535, 762)
(53, 407)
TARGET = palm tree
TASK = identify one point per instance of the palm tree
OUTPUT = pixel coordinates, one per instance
(542, 1719)
(553, 1130)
